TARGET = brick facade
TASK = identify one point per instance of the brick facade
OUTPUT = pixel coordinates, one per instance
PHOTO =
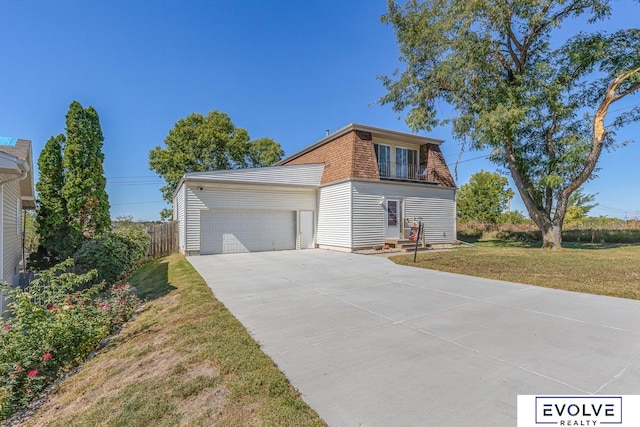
(365, 164)
(352, 156)
(437, 169)
(349, 156)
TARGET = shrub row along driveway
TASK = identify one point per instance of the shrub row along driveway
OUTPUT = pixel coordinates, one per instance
(371, 343)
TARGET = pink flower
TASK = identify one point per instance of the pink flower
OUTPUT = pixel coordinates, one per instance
(33, 373)
(46, 356)
(6, 327)
(123, 301)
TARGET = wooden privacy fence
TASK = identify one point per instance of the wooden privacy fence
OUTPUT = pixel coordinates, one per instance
(164, 239)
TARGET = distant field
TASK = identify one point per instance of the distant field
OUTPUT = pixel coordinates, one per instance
(603, 269)
(589, 230)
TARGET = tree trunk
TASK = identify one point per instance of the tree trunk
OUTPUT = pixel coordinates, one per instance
(552, 236)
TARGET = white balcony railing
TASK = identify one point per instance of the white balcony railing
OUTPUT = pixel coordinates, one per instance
(403, 171)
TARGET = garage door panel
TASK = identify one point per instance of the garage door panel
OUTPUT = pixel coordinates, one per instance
(246, 231)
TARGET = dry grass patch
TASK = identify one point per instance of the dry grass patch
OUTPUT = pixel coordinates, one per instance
(601, 269)
(184, 361)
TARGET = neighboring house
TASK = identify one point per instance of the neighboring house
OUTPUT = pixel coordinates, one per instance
(356, 188)
(16, 193)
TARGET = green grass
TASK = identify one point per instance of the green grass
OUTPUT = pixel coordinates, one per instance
(603, 269)
(184, 361)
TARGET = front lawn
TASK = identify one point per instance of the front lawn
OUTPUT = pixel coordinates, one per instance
(185, 360)
(602, 269)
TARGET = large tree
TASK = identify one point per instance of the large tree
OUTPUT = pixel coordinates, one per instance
(84, 188)
(199, 143)
(263, 152)
(484, 198)
(52, 216)
(537, 100)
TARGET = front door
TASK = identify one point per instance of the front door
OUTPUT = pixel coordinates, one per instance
(392, 219)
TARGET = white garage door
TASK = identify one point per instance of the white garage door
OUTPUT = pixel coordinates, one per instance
(223, 232)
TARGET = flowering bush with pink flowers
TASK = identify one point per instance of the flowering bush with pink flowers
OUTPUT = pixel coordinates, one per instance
(52, 329)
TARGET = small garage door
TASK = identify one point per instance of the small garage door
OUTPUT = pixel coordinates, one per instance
(223, 232)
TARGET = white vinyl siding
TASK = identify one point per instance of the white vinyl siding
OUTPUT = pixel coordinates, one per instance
(179, 215)
(334, 216)
(241, 198)
(12, 240)
(19, 217)
(368, 217)
(435, 205)
(438, 216)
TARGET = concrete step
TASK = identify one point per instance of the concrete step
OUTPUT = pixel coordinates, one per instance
(402, 244)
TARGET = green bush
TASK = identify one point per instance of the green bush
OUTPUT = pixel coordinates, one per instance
(583, 236)
(601, 236)
(137, 238)
(519, 236)
(113, 254)
(53, 327)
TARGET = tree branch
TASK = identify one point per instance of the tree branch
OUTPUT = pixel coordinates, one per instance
(544, 24)
(599, 130)
(523, 186)
(551, 152)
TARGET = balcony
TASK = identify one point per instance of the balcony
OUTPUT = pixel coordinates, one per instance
(402, 171)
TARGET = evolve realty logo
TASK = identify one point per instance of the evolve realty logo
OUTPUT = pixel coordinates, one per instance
(578, 410)
(565, 411)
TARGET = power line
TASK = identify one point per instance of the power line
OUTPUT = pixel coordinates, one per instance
(612, 209)
(133, 176)
(116, 184)
(624, 108)
(138, 203)
(472, 159)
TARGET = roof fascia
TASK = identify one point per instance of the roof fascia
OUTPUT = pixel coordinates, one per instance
(191, 180)
(375, 132)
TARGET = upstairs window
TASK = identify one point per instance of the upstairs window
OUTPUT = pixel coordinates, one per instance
(406, 163)
(383, 155)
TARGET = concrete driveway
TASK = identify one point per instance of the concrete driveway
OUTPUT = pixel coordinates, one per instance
(370, 343)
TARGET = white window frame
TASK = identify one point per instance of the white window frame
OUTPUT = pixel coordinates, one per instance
(388, 168)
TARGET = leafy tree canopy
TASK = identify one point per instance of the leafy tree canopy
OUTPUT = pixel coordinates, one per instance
(580, 204)
(52, 216)
(199, 143)
(537, 101)
(73, 204)
(263, 152)
(484, 198)
(84, 188)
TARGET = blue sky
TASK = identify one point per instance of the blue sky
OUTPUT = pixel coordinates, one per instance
(288, 70)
